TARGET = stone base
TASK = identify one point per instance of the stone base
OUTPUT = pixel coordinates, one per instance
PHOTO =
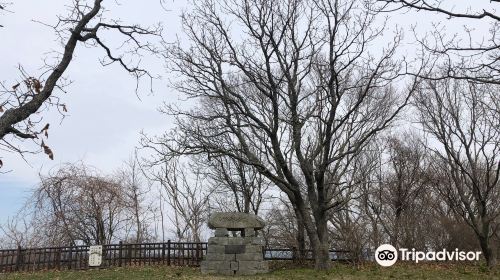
(223, 259)
(234, 267)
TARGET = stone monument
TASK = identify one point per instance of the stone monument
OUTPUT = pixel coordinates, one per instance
(231, 254)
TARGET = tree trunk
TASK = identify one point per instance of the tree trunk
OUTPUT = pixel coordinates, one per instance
(322, 259)
(301, 239)
(318, 236)
(138, 237)
(394, 237)
(488, 251)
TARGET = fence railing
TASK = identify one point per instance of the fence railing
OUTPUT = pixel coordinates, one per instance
(122, 254)
(292, 254)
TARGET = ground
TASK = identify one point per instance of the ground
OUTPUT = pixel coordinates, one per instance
(339, 271)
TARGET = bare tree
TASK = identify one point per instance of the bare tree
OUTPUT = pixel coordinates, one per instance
(349, 232)
(296, 85)
(83, 25)
(76, 204)
(281, 228)
(3, 7)
(465, 57)
(436, 6)
(398, 189)
(236, 186)
(463, 116)
(136, 188)
(185, 194)
(20, 230)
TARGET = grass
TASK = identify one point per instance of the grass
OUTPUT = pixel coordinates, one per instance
(338, 271)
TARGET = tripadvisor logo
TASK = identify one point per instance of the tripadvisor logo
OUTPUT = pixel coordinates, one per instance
(387, 255)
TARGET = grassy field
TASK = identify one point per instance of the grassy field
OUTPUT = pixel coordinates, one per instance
(339, 271)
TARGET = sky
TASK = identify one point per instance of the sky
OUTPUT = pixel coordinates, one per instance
(105, 115)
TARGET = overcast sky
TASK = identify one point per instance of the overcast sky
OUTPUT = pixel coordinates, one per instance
(105, 116)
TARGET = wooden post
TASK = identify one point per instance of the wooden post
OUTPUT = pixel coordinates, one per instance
(198, 253)
(181, 245)
(38, 259)
(18, 258)
(163, 248)
(59, 258)
(139, 258)
(120, 256)
(70, 257)
(129, 254)
(168, 252)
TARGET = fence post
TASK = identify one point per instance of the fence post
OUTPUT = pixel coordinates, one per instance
(198, 257)
(70, 253)
(18, 258)
(120, 256)
(163, 247)
(168, 252)
(59, 256)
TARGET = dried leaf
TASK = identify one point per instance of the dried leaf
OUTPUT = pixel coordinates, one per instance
(1, 109)
(47, 151)
(37, 85)
(1, 163)
(64, 108)
(45, 130)
(46, 127)
(14, 87)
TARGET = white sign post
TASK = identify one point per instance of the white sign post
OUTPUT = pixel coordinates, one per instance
(95, 255)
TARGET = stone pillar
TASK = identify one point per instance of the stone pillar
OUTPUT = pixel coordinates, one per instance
(221, 232)
(241, 255)
(250, 232)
